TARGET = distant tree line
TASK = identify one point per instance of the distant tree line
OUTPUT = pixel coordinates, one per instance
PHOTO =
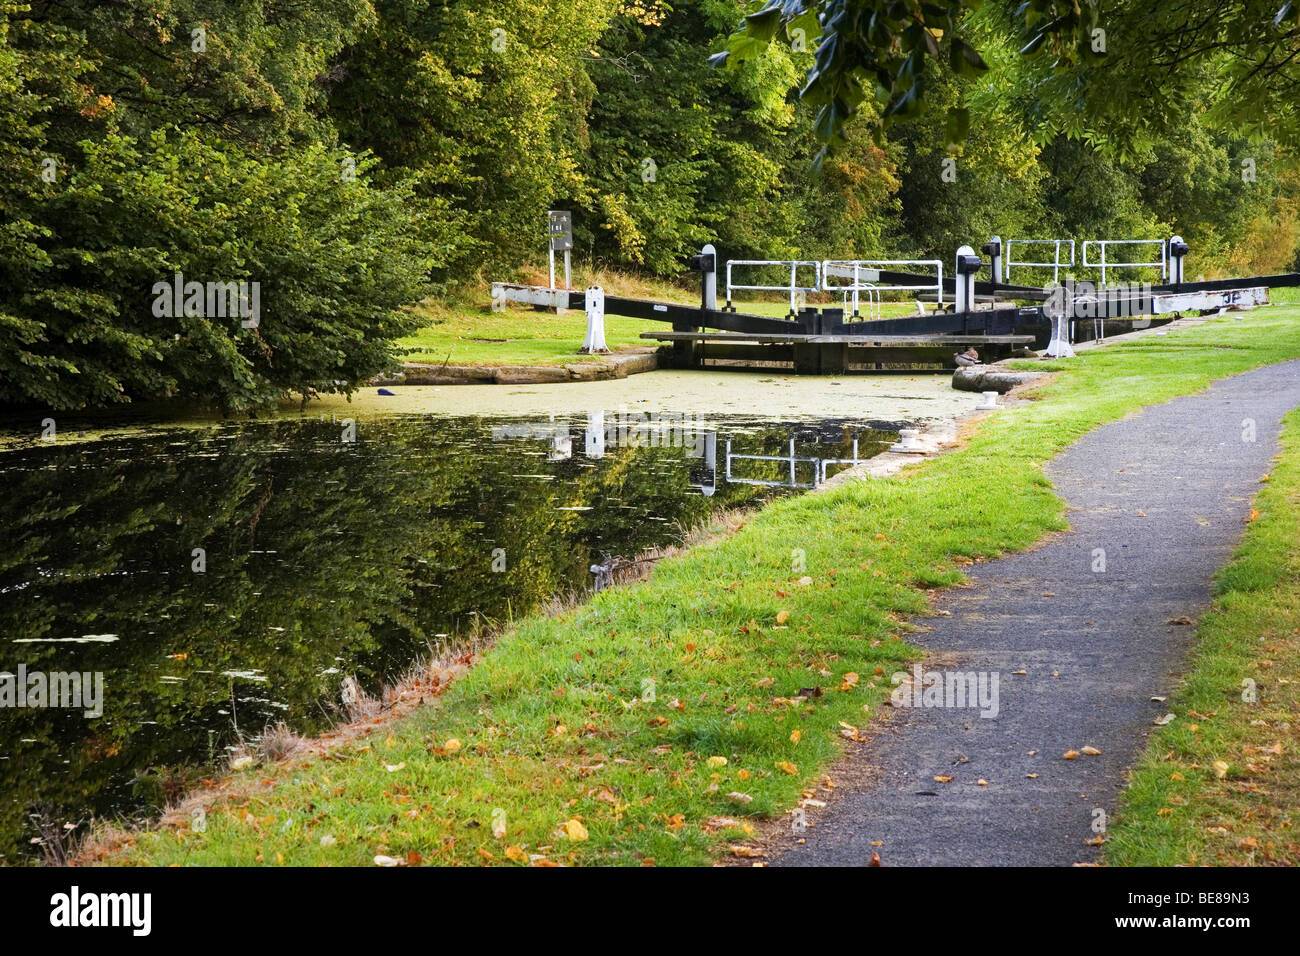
(354, 156)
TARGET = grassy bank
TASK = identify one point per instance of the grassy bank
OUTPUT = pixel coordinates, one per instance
(759, 651)
(1220, 785)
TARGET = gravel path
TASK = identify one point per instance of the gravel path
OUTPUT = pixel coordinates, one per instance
(1165, 493)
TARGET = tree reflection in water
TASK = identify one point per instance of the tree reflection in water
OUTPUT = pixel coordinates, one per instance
(323, 558)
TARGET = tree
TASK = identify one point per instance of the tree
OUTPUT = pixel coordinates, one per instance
(1125, 65)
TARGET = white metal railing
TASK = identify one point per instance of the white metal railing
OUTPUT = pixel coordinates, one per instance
(792, 287)
(1055, 265)
(789, 459)
(850, 302)
(827, 462)
(865, 273)
(820, 467)
(1101, 244)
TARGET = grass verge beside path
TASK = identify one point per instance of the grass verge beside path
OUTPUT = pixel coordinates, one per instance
(1220, 785)
(761, 650)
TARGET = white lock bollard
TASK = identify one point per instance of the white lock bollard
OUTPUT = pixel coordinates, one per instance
(990, 400)
(908, 442)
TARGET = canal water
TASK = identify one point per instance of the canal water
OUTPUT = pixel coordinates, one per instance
(225, 577)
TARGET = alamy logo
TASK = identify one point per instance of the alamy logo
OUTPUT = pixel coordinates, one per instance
(213, 300)
(1083, 300)
(948, 689)
(74, 908)
(76, 691)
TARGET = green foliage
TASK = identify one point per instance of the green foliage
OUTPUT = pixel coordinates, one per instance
(357, 154)
(484, 103)
(130, 156)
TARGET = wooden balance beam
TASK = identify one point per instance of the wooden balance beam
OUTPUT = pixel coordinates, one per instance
(833, 354)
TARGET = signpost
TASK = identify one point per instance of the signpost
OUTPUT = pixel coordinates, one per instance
(561, 232)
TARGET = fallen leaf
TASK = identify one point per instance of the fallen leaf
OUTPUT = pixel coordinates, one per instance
(1220, 768)
(451, 746)
(943, 778)
(575, 831)
(786, 766)
(1070, 754)
(517, 854)
(717, 761)
(739, 849)
(782, 617)
(387, 861)
(1091, 751)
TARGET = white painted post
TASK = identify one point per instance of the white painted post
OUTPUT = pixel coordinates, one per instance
(1177, 250)
(595, 305)
(710, 287)
(550, 257)
(1059, 346)
(965, 283)
(594, 437)
(568, 281)
(996, 243)
(708, 474)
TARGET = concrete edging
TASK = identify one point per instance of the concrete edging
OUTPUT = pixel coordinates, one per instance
(614, 365)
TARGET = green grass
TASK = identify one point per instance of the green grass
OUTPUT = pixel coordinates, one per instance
(463, 331)
(551, 724)
(462, 334)
(1220, 785)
